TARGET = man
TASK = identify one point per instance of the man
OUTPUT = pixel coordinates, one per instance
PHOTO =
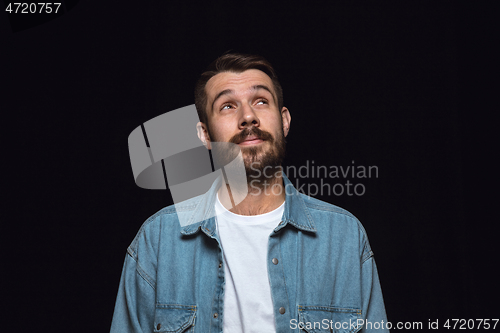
(278, 261)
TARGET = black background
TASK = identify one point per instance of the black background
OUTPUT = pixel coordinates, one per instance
(374, 83)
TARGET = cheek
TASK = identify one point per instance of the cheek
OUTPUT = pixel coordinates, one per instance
(275, 125)
(220, 132)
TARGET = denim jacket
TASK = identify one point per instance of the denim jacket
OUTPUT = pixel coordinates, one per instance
(324, 279)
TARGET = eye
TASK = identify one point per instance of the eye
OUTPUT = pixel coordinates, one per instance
(262, 101)
(226, 107)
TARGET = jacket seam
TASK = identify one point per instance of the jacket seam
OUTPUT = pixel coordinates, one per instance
(145, 276)
(176, 306)
(366, 257)
(142, 273)
(369, 252)
(132, 253)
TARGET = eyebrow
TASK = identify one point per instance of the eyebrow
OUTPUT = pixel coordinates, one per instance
(229, 92)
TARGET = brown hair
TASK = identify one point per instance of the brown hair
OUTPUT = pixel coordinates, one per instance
(237, 63)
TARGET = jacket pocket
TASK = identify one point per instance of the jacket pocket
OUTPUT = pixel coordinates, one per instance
(174, 318)
(327, 319)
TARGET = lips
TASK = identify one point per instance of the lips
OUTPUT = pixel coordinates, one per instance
(251, 136)
(250, 140)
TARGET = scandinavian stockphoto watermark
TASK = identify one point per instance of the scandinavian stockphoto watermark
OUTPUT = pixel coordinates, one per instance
(333, 179)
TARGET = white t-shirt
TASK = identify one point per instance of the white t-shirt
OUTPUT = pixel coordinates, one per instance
(248, 306)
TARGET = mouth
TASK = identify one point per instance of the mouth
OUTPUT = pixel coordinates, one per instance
(251, 140)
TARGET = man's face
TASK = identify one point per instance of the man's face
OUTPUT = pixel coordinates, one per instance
(242, 108)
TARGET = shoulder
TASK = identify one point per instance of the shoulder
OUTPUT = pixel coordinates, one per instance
(335, 221)
(166, 220)
(329, 211)
(319, 205)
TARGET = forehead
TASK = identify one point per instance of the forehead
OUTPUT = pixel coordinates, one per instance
(236, 82)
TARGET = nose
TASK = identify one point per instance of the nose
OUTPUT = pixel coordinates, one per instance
(248, 117)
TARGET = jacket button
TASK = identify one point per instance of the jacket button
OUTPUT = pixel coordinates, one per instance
(220, 265)
(158, 326)
(275, 261)
(282, 310)
(216, 315)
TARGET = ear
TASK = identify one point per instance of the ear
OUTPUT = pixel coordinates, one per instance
(201, 129)
(286, 119)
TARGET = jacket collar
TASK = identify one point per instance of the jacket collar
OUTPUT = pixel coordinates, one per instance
(295, 213)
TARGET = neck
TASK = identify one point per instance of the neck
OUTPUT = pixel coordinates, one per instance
(259, 200)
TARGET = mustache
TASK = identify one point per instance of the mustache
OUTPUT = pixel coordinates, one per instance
(260, 134)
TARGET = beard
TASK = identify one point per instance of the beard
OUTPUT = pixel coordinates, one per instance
(262, 162)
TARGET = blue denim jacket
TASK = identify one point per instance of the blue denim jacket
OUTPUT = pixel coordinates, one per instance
(324, 280)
